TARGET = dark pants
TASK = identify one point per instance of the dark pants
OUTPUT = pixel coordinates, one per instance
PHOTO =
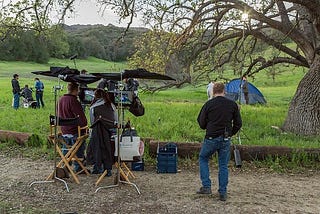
(246, 97)
(39, 98)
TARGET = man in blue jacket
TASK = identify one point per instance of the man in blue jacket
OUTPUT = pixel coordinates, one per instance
(39, 86)
(221, 119)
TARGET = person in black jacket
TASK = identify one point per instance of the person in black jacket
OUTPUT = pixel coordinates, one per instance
(27, 93)
(221, 119)
(16, 91)
(102, 116)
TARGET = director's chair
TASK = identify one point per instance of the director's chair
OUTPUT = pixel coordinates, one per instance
(60, 145)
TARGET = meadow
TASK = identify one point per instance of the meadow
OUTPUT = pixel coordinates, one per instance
(170, 115)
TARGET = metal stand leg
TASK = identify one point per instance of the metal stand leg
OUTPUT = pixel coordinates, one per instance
(118, 183)
(120, 172)
(56, 88)
(54, 178)
(118, 164)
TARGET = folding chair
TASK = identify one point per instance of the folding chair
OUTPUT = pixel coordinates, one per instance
(59, 143)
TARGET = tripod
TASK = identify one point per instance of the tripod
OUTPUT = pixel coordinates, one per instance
(119, 164)
(56, 88)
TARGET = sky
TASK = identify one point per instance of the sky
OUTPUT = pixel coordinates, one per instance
(87, 12)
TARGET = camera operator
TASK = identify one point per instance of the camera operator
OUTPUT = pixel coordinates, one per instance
(221, 118)
(131, 85)
(70, 107)
(102, 116)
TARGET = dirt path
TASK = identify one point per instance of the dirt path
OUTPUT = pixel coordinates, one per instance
(250, 191)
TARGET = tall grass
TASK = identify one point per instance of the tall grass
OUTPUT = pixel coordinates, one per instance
(170, 115)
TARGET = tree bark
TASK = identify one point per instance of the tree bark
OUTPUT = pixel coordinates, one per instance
(19, 137)
(304, 112)
(248, 153)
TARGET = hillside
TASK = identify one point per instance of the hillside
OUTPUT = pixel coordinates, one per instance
(104, 42)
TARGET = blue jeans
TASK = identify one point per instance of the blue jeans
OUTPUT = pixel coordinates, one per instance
(16, 100)
(80, 153)
(39, 98)
(209, 147)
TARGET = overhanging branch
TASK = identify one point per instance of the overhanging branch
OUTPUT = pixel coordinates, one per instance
(274, 61)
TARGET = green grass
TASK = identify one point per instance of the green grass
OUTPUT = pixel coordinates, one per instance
(177, 108)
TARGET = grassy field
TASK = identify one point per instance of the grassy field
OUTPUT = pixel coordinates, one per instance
(177, 109)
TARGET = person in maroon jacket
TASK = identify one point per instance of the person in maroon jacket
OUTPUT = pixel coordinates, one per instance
(70, 107)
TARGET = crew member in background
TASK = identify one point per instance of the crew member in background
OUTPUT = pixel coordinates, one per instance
(27, 93)
(39, 86)
(16, 91)
(70, 107)
(221, 119)
(245, 89)
(209, 90)
(131, 84)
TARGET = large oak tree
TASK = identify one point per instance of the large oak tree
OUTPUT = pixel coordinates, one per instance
(204, 25)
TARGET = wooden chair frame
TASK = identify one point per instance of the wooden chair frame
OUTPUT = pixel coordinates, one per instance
(72, 151)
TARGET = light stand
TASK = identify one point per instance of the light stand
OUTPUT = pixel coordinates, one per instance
(56, 88)
(120, 126)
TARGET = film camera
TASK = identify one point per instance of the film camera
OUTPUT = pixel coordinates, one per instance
(122, 95)
(86, 96)
(118, 92)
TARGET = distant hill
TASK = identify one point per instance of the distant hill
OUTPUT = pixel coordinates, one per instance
(79, 28)
(104, 42)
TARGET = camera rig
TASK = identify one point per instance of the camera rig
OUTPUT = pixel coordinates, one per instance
(118, 91)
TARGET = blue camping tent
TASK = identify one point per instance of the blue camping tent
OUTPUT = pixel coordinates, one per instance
(233, 92)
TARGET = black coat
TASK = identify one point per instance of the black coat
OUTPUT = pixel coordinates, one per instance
(100, 150)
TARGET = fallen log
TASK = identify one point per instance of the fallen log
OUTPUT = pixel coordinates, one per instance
(19, 137)
(247, 152)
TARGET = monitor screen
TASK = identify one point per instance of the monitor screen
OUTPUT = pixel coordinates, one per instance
(125, 97)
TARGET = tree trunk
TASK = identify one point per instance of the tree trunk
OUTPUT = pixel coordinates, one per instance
(19, 137)
(304, 112)
(247, 153)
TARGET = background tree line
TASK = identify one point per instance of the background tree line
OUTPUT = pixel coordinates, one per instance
(63, 41)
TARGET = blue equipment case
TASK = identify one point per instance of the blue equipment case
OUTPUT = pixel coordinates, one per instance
(137, 166)
(167, 158)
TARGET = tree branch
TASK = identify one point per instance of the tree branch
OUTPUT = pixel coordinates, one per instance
(277, 60)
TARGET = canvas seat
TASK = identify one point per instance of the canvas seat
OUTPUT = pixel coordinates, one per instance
(58, 140)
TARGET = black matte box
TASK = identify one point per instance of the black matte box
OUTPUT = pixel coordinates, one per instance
(167, 159)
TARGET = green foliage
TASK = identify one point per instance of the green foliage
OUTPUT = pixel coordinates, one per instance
(34, 141)
(104, 42)
(24, 46)
(62, 41)
(57, 42)
(152, 51)
(177, 110)
(295, 163)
